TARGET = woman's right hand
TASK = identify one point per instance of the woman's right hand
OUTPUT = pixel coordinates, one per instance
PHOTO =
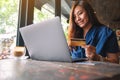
(90, 52)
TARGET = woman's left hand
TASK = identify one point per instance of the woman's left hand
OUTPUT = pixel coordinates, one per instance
(90, 51)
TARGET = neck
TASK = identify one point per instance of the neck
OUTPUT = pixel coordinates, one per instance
(86, 29)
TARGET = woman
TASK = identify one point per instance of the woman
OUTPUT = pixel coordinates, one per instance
(101, 41)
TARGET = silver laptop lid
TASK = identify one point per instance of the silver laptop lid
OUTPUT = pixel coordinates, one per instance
(46, 41)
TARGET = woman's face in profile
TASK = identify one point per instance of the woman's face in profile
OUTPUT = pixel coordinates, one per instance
(81, 17)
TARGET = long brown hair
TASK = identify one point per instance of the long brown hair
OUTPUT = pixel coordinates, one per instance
(74, 31)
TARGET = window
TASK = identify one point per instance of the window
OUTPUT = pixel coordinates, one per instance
(65, 10)
(8, 24)
(46, 12)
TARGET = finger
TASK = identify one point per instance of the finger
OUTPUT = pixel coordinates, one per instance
(84, 46)
(89, 55)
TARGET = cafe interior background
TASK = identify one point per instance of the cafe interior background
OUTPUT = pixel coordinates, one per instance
(19, 13)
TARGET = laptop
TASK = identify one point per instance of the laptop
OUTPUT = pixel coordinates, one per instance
(46, 41)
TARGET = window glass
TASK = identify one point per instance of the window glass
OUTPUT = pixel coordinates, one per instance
(65, 11)
(46, 9)
(43, 10)
(8, 24)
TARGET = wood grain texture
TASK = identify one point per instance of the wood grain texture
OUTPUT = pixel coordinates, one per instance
(46, 70)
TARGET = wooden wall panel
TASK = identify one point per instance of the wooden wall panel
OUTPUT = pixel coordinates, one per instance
(108, 11)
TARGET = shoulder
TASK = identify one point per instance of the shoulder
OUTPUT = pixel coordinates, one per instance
(104, 30)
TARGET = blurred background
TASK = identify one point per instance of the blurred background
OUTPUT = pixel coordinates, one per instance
(19, 13)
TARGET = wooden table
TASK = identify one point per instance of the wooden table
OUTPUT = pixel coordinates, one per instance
(11, 69)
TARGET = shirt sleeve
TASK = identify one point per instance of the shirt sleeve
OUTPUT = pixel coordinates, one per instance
(112, 44)
(78, 53)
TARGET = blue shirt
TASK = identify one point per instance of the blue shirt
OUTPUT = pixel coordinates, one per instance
(103, 38)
